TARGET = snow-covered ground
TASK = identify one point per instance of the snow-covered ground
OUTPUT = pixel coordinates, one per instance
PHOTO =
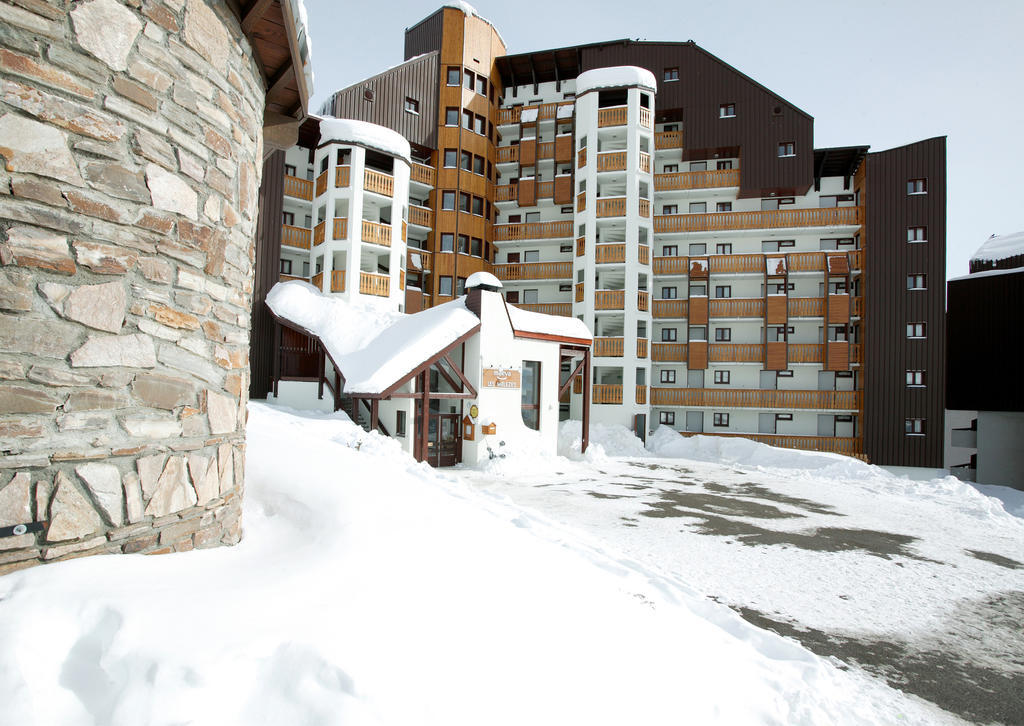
(373, 590)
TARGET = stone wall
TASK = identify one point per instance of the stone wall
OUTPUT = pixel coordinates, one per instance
(130, 136)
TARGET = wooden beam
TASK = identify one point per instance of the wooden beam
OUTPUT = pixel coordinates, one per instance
(255, 14)
(462, 376)
(569, 380)
(425, 365)
(586, 402)
(424, 414)
(281, 78)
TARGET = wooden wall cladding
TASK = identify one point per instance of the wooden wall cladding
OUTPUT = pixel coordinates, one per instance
(697, 354)
(563, 149)
(776, 311)
(528, 152)
(563, 189)
(776, 356)
(838, 309)
(527, 192)
(837, 356)
(698, 311)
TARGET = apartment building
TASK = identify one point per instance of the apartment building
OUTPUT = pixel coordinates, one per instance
(737, 280)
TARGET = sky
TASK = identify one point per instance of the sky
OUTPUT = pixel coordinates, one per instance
(881, 73)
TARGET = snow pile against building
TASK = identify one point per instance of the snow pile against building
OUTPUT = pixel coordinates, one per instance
(370, 589)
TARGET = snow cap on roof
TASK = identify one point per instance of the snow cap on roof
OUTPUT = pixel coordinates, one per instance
(1000, 247)
(484, 280)
(615, 77)
(363, 133)
(525, 321)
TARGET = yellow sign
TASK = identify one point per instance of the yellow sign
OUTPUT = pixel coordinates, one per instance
(474, 411)
(501, 378)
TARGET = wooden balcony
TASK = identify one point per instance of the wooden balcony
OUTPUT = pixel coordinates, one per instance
(581, 201)
(671, 265)
(645, 117)
(340, 228)
(609, 299)
(288, 278)
(581, 246)
(563, 309)
(546, 150)
(645, 207)
(421, 216)
(611, 161)
(423, 174)
(533, 230)
(317, 281)
(645, 162)
(508, 154)
(608, 347)
(337, 281)
(378, 183)
(545, 190)
(319, 233)
(736, 308)
(615, 116)
(641, 347)
(643, 254)
(534, 271)
(668, 140)
(719, 264)
(736, 353)
(579, 292)
(756, 398)
(643, 301)
(545, 112)
(610, 253)
(375, 233)
(832, 444)
(670, 308)
(815, 353)
(505, 193)
(713, 179)
(371, 284)
(419, 260)
(611, 207)
(298, 188)
(341, 176)
(581, 159)
(772, 219)
(295, 236)
(641, 395)
(606, 393)
(668, 352)
(321, 184)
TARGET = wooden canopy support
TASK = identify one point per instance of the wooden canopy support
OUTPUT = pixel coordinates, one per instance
(583, 369)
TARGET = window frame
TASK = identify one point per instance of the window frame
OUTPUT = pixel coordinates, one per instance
(913, 239)
(720, 419)
(441, 280)
(727, 110)
(914, 427)
(669, 335)
(667, 418)
(912, 332)
(917, 186)
(458, 76)
(786, 149)
(670, 74)
(412, 105)
(722, 377)
(916, 379)
(667, 375)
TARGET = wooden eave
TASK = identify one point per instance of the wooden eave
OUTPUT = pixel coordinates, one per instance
(271, 30)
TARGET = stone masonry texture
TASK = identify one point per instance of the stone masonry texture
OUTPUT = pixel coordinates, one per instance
(130, 157)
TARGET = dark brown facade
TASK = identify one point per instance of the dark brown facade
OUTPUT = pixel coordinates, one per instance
(984, 323)
(891, 209)
(425, 36)
(268, 254)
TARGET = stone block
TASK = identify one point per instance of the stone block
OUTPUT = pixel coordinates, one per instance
(133, 351)
(98, 306)
(161, 391)
(20, 429)
(204, 33)
(133, 497)
(150, 427)
(96, 205)
(71, 515)
(104, 259)
(104, 482)
(136, 113)
(170, 192)
(29, 188)
(187, 362)
(35, 247)
(155, 221)
(140, 543)
(173, 318)
(117, 180)
(61, 112)
(97, 399)
(173, 491)
(107, 29)
(26, 67)
(36, 148)
(83, 422)
(21, 399)
(156, 270)
(15, 291)
(136, 93)
(58, 376)
(96, 543)
(175, 532)
(16, 500)
(149, 74)
(43, 338)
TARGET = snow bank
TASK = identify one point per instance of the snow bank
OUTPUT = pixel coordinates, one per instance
(605, 440)
(363, 133)
(527, 321)
(1000, 247)
(615, 77)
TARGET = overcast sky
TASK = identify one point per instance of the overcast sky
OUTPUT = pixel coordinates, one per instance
(871, 72)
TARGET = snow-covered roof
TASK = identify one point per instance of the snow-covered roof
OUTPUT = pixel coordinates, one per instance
(988, 273)
(1000, 247)
(483, 278)
(525, 321)
(615, 77)
(363, 133)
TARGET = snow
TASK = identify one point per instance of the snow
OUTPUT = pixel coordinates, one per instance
(483, 278)
(471, 11)
(528, 115)
(526, 321)
(615, 77)
(373, 590)
(364, 133)
(1000, 247)
(988, 273)
(565, 111)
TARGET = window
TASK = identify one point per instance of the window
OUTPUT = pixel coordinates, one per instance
(323, 163)
(444, 285)
(916, 282)
(727, 110)
(467, 120)
(917, 234)
(723, 291)
(915, 330)
(583, 142)
(447, 199)
(670, 250)
(478, 206)
(565, 248)
(723, 207)
(464, 202)
(469, 79)
(698, 290)
(460, 286)
(787, 148)
(565, 287)
(915, 379)
(668, 335)
(481, 125)
(699, 333)
(667, 417)
(670, 209)
(668, 293)
(476, 246)
(670, 169)
(286, 267)
(698, 248)
(723, 335)
(668, 376)
(726, 164)
(917, 186)
(481, 85)
(783, 417)
(467, 161)
(530, 396)
(447, 242)
(454, 76)
(412, 105)
(913, 426)
(698, 207)
(478, 165)
(463, 244)
(400, 423)
(698, 166)
(721, 419)
(723, 248)
(721, 377)
(671, 74)
(289, 170)
(451, 116)
(451, 158)
(288, 218)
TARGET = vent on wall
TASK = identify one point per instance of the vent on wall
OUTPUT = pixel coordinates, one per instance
(367, 93)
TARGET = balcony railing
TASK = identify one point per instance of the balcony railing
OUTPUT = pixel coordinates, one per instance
(581, 159)
(645, 207)
(295, 236)
(641, 347)
(671, 265)
(581, 201)
(754, 398)
(645, 162)
(815, 353)
(423, 174)
(615, 116)
(545, 111)
(371, 284)
(668, 140)
(608, 347)
(534, 271)
(611, 161)
(643, 300)
(668, 352)
(563, 309)
(606, 393)
(579, 292)
(340, 228)
(419, 260)
(641, 395)
(287, 278)
(736, 308)
(505, 193)
(712, 179)
(832, 444)
(533, 230)
(298, 188)
(341, 176)
(643, 253)
(317, 281)
(736, 352)
(609, 299)
(670, 308)
(321, 184)
(337, 281)
(375, 233)
(421, 216)
(736, 263)
(613, 207)
(610, 253)
(508, 153)
(319, 233)
(770, 219)
(379, 183)
(645, 117)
